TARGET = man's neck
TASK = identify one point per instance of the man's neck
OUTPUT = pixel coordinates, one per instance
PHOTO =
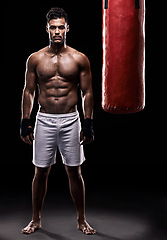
(57, 48)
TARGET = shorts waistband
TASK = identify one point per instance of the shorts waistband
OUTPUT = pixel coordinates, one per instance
(58, 115)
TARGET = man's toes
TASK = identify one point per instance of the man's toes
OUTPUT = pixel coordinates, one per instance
(89, 231)
(93, 231)
(26, 231)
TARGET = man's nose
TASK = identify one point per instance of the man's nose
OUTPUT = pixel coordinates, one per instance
(57, 31)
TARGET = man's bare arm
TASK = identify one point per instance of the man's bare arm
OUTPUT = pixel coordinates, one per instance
(28, 100)
(86, 88)
(29, 88)
(87, 134)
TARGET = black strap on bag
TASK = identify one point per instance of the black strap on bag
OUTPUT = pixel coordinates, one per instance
(137, 4)
(105, 4)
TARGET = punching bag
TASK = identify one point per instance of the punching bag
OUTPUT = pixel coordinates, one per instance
(123, 70)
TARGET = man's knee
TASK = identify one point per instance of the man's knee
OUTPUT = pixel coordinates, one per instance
(41, 173)
(73, 172)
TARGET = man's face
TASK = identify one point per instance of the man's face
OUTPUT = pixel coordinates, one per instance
(57, 29)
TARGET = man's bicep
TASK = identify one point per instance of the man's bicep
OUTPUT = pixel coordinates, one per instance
(86, 77)
(30, 76)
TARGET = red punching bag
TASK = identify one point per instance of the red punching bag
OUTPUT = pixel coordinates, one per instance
(123, 85)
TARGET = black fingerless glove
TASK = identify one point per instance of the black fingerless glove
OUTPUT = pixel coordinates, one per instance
(25, 127)
(87, 128)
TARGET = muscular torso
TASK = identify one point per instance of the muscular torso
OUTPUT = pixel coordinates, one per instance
(57, 78)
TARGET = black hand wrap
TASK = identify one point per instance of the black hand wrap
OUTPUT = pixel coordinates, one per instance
(25, 127)
(87, 129)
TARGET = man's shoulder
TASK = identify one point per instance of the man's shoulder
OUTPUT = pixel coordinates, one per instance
(80, 57)
(76, 53)
(38, 54)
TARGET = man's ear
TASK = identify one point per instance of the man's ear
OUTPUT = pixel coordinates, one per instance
(47, 29)
(68, 28)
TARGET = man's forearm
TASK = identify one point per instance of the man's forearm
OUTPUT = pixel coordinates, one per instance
(88, 105)
(27, 103)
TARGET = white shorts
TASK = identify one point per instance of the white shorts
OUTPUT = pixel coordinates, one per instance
(54, 131)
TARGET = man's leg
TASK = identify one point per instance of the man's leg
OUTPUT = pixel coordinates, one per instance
(39, 188)
(77, 190)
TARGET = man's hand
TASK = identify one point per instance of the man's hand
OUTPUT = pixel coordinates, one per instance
(26, 131)
(87, 132)
(84, 140)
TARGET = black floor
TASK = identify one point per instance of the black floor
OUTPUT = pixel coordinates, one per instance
(117, 212)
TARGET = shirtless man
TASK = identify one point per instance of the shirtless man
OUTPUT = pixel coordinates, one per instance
(57, 70)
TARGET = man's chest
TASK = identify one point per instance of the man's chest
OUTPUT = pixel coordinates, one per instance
(58, 65)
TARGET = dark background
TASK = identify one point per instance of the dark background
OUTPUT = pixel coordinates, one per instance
(128, 149)
(125, 171)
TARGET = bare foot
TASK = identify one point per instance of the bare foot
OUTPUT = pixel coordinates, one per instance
(86, 228)
(31, 227)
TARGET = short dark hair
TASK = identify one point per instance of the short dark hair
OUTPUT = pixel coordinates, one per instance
(55, 13)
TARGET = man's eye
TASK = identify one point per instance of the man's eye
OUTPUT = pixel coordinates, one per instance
(61, 27)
